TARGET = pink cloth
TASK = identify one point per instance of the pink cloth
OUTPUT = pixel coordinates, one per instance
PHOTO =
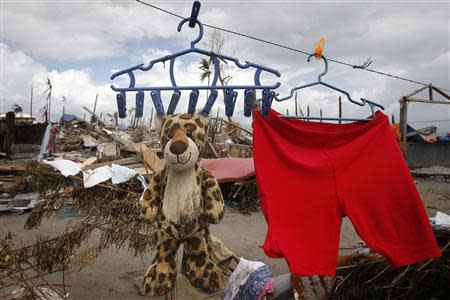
(230, 169)
(267, 289)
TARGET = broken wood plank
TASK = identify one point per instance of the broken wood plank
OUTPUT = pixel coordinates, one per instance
(12, 167)
(428, 101)
(143, 171)
(149, 157)
(90, 161)
(212, 148)
(122, 162)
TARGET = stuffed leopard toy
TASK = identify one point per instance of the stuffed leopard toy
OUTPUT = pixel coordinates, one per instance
(183, 199)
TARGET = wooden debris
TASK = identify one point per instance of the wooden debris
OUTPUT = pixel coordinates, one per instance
(149, 157)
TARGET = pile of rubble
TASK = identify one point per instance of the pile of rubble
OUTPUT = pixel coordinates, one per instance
(96, 148)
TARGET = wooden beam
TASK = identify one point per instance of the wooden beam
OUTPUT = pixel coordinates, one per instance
(427, 101)
(441, 92)
(403, 118)
(416, 91)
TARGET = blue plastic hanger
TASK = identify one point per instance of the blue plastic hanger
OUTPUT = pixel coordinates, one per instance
(155, 91)
(363, 101)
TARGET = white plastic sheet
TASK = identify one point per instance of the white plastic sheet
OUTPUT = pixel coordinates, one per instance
(66, 167)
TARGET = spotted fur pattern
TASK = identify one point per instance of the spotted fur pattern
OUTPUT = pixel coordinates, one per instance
(200, 270)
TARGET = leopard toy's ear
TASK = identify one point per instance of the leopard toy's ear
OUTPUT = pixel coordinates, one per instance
(159, 121)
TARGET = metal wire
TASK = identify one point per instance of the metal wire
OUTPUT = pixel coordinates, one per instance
(290, 48)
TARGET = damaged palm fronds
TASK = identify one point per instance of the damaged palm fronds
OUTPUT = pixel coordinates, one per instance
(243, 194)
(111, 210)
(426, 280)
(21, 276)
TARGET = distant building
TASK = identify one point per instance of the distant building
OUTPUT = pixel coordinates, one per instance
(21, 118)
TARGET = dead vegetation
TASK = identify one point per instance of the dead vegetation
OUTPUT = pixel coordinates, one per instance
(427, 280)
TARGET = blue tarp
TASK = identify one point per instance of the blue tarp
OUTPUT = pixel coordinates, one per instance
(418, 139)
(69, 118)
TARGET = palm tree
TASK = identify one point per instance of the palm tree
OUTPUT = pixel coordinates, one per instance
(114, 117)
(48, 99)
(216, 43)
(205, 67)
(17, 109)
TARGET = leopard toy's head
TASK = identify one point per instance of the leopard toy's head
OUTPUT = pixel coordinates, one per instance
(182, 139)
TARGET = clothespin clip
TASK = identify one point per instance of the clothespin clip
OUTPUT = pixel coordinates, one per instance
(173, 102)
(139, 104)
(318, 48)
(267, 98)
(210, 102)
(230, 101)
(249, 97)
(122, 104)
(194, 14)
(193, 101)
(157, 102)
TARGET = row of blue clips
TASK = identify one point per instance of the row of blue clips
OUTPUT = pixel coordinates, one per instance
(231, 91)
(230, 102)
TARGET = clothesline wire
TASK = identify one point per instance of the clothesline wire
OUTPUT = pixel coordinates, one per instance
(290, 48)
(423, 121)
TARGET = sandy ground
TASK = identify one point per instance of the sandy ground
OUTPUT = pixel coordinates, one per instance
(112, 274)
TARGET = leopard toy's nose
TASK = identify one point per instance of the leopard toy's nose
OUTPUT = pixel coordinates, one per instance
(178, 147)
(179, 143)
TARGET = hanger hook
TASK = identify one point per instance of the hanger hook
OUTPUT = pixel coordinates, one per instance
(319, 78)
(200, 34)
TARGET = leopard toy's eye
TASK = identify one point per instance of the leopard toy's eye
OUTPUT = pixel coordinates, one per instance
(189, 134)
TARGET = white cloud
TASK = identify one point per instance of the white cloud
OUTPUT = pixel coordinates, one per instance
(386, 32)
(79, 30)
(17, 71)
(20, 72)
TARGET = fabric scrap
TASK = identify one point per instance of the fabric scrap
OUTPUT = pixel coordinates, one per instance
(239, 277)
(267, 289)
(442, 219)
(66, 167)
(254, 285)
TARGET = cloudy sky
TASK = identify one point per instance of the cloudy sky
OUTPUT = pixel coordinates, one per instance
(79, 44)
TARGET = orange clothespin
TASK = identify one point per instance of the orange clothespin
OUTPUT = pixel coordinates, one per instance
(318, 48)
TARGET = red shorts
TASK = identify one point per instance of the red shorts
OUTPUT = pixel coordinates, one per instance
(311, 174)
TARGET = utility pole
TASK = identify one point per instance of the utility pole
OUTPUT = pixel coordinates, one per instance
(321, 115)
(31, 103)
(151, 119)
(95, 104)
(340, 109)
(296, 106)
